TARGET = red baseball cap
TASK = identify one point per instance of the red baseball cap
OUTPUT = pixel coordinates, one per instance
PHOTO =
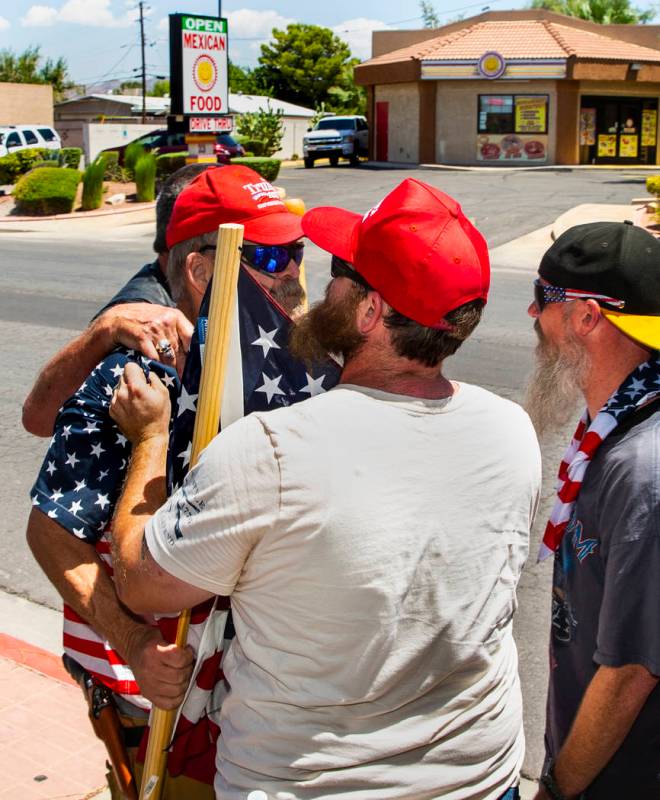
(232, 194)
(416, 248)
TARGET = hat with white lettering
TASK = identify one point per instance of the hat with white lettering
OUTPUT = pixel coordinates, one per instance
(233, 194)
(416, 248)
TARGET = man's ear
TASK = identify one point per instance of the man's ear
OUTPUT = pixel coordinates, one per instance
(369, 312)
(586, 317)
(198, 272)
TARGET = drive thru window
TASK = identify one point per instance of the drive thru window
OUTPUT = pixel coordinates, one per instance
(512, 127)
(618, 130)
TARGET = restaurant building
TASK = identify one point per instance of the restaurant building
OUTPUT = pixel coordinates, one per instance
(525, 87)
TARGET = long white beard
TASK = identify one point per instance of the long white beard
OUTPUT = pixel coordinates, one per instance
(555, 387)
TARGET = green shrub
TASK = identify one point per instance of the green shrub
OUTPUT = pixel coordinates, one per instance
(268, 168)
(113, 172)
(14, 165)
(70, 157)
(49, 190)
(145, 178)
(264, 126)
(134, 151)
(167, 163)
(50, 163)
(653, 185)
(256, 146)
(92, 196)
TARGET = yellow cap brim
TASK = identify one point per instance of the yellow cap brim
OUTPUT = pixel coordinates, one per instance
(645, 330)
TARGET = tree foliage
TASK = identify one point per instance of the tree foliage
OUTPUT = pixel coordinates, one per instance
(28, 67)
(605, 12)
(244, 80)
(304, 63)
(429, 14)
(160, 88)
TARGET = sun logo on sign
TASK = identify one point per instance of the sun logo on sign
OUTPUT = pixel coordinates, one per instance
(205, 72)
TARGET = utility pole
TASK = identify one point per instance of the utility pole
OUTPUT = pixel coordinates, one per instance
(219, 8)
(144, 67)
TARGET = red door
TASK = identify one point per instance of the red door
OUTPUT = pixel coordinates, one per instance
(382, 111)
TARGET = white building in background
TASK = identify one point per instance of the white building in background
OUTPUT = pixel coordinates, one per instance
(96, 122)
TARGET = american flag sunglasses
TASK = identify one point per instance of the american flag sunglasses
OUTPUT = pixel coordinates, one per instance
(545, 293)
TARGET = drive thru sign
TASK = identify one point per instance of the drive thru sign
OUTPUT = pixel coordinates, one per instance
(198, 47)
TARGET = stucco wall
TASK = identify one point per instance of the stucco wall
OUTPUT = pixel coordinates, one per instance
(26, 104)
(456, 116)
(403, 121)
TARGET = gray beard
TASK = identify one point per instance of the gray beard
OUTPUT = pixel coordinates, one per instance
(289, 294)
(555, 387)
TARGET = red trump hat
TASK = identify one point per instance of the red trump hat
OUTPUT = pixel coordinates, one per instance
(232, 194)
(416, 248)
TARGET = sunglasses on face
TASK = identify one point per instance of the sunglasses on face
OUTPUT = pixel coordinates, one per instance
(268, 258)
(545, 293)
(342, 269)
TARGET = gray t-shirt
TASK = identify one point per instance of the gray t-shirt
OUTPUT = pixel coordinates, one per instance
(606, 599)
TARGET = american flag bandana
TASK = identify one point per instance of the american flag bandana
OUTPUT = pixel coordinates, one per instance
(261, 375)
(641, 387)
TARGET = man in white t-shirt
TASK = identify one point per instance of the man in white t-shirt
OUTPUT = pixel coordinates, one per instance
(371, 539)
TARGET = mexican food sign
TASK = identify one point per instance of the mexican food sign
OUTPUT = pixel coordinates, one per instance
(198, 61)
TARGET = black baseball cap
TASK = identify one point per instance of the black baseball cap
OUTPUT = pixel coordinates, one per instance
(616, 259)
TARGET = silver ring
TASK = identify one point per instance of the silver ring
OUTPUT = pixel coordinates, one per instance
(164, 348)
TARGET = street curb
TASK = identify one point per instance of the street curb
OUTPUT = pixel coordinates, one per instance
(35, 658)
(77, 216)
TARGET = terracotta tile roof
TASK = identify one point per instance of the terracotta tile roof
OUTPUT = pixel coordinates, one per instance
(529, 39)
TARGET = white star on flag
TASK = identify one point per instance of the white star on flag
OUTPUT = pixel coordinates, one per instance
(186, 402)
(97, 450)
(102, 500)
(71, 460)
(80, 485)
(83, 387)
(636, 387)
(186, 455)
(117, 371)
(79, 532)
(271, 386)
(35, 501)
(108, 390)
(66, 431)
(121, 439)
(168, 380)
(314, 385)
(266, 340)
(51, 468)
(103, 474)
(52, 513)
(76, 506)
(55, 496)
(91, 427)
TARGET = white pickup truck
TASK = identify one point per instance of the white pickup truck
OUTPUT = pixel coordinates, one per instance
(335, 138)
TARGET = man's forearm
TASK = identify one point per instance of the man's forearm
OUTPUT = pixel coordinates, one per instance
(608, 710)
(76, 571)
(62, 376)
(144, 492)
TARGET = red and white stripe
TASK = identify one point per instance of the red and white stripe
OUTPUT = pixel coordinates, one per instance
(193, 746)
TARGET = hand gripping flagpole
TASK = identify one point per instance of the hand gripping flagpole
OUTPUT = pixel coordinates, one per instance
(211, 387)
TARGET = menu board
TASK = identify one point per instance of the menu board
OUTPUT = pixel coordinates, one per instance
(628, 146)
(512, 148)
(649, 127)
(588, 126)
(607, 145)
(531, 114)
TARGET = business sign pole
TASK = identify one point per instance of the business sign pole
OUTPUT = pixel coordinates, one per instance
(199, 81)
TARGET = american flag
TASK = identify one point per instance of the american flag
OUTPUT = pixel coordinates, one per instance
(261, 375)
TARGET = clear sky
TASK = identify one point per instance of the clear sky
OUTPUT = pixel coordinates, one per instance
(100, 38)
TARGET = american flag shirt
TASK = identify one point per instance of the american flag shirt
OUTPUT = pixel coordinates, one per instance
(78, 486)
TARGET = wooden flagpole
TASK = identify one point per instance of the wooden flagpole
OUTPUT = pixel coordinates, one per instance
(209, 403)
